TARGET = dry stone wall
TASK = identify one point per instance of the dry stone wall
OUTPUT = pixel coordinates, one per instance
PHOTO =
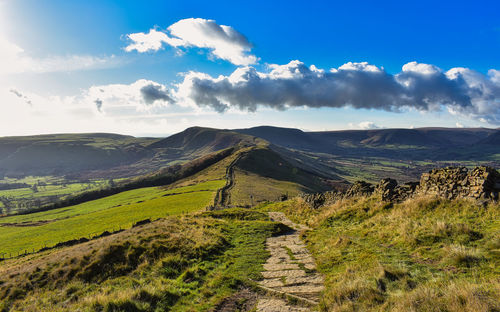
(458, 182)
(482, 183)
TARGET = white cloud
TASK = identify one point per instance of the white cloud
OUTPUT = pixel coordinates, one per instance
(138, 108)
(459, 125)
(362, 66)
(422, 87)
(142, 42)
(364, 125)
(117, 99)
(13, 60)
(420, 68)
(368, 125)
(224, 42)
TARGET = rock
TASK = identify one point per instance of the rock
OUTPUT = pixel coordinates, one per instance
(458, 182)
(386, 189)
(481, 183)
(360, 188)
(317, 200)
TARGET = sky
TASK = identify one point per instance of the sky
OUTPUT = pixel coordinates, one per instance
(154, 68)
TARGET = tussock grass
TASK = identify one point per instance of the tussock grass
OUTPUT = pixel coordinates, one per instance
(425, 254)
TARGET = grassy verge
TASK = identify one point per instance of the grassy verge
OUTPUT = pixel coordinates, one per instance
(183, 263)
(425, 254)
(37, 230)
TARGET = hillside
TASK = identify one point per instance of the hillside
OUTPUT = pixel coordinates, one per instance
(158, 248)
(424, 254)
(373, 154)
(42, 169)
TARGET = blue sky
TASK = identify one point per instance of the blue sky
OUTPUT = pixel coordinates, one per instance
(70, 55)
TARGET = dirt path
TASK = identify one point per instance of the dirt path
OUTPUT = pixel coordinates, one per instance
(223, 197)
(289, 272)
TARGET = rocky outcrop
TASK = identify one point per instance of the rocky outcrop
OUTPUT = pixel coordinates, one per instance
(482, 183)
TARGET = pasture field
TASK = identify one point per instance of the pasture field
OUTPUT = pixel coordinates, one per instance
(37, 230)
(39, 190)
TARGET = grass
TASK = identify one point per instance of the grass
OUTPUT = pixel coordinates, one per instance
(251, 189)
(48, 189)
(180, 263)
(425, 254)
(108, 214)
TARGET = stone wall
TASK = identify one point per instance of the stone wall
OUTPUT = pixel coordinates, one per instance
(458, 182)
(482, 183)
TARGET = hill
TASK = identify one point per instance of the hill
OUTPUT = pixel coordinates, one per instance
(372, 154)
(37, 170)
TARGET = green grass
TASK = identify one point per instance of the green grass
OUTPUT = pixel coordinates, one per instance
(188, 263)
(107, 214)
(48, 189)
(260, 188)
(424, 254)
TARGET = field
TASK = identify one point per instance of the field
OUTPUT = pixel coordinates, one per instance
(34, 191)
(120, 211)
(425, 254)
(251, 189)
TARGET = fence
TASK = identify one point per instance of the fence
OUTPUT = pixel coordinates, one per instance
(52, 245)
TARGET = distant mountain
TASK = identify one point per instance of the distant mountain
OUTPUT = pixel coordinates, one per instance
(371, 154)
(328, 140)
(198, 141)
(331, 154)
(286, 137)
(492, 139)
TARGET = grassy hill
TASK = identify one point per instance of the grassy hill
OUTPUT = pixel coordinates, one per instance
(370, 155)
(188, 263)
(259, 175)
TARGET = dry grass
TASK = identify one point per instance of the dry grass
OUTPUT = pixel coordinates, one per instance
(425, 254)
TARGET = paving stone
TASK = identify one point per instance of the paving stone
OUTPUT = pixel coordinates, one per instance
(272, 282)
(280, 266)
(277, 305)
(284, 274)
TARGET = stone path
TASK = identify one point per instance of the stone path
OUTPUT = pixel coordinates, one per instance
(289, 272)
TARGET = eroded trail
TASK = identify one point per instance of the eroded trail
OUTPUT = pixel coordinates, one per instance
(289, 272)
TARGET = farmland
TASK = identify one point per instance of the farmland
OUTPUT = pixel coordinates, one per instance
(120, 211)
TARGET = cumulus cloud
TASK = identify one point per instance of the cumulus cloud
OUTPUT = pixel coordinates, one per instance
(13, 60)
(224, 42)
(423, 87)
(368, 125)
(153, 92)
(364, 125)
(142, 95)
